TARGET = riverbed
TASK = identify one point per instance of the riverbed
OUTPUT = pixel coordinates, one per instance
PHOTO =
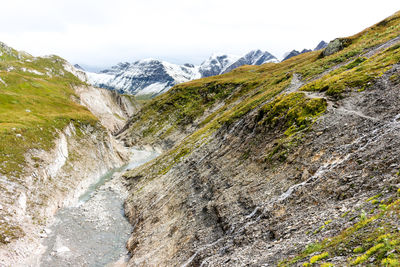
(94, 230)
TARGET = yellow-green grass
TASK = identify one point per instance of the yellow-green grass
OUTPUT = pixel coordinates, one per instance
(374, 239)
(186, 102)
(357, 74)
(34, 107)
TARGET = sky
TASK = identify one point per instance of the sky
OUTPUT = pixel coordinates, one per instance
(100, 33)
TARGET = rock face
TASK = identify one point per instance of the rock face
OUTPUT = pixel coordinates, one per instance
(111, 108)
(258, 191)
(78, 67)
(6, 51)
(334, 46)
(216, 209)
(294, 53)
(151, 77)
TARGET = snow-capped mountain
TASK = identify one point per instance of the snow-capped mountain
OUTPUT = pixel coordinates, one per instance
(152, 77)
(216, 64)
(148, 76)
(255, 57)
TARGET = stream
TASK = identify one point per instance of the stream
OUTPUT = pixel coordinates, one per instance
(94, 232)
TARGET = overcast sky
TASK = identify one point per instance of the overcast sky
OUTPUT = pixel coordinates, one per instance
(102, 33)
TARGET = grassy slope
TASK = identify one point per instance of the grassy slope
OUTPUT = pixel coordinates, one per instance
(248, 87)
(35, 101)
(245, 88)
(255, 84)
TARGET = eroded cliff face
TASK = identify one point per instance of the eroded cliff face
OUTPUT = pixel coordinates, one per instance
(78, 151)
(111, 108)
(229, 203)
(282, 164)
(53, 179)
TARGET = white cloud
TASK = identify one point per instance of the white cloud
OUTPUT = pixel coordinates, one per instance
(105, 32)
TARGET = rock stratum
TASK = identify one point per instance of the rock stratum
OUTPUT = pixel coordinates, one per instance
(286, 164)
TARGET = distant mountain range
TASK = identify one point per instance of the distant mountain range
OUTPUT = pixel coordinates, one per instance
(294, 53)
(153, 77)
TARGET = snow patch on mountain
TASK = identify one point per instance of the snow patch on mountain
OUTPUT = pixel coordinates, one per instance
(216, 64)
(99, 78)
(154, 88)
(255, 57)
(152, 76)
(183, 73)
(147, 76)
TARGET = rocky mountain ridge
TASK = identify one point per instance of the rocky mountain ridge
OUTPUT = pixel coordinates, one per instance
(152, 77)
(294, 52)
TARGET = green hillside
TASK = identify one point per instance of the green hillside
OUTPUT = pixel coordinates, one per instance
(243, 89)
(36, 100)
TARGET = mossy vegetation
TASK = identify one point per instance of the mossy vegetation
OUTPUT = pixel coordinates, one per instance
(357, 74)
(294, 112)
(373, 239)
(35, 103)
(319, 257)
(355, 63)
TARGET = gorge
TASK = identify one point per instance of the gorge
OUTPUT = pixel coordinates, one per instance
(293, 163)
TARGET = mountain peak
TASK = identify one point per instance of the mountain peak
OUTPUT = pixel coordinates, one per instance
(321, 45)
(305, 51)
(77, 66)
(153, 76)
(254, 57)
(293, 53)
(148, 60)
(216, 64)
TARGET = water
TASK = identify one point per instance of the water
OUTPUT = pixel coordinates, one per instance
(94, 232)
